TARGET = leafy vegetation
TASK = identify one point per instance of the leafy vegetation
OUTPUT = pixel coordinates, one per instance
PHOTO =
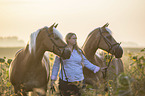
(129, 83)
(5, 85)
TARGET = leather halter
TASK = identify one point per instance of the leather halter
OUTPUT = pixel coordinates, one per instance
(55, 45)
(107, 42)
(110, 48)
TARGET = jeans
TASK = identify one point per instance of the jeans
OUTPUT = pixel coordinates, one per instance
(69, 88)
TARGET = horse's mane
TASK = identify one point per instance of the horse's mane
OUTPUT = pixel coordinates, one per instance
(89, 36)
(94, 31)
(97, 28)
(33, 36)
(108, 30)
(32, 42)
(58, 33)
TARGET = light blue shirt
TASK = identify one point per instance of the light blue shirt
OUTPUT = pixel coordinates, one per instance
(73, 67)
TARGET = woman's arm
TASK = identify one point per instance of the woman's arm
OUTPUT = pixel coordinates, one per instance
(55, 68)
(90, 66)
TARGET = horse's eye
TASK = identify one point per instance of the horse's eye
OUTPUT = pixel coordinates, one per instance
(56, 38)
(108, 37)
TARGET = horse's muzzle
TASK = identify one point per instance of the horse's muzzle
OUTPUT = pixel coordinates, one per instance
(118, 51)
(66, 53)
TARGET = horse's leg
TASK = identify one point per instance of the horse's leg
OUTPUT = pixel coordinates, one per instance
(115, 68)
(17, 91)
(23, 92)
(20, 91)
(121, 66)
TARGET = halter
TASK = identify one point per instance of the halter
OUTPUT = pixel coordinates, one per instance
(55, 45)
(107, 42)
(110, 48)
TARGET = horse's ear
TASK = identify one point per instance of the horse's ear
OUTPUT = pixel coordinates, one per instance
(106, 25)
(56, 25)
(51, 27)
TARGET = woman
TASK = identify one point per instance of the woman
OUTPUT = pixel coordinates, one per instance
(71, 73)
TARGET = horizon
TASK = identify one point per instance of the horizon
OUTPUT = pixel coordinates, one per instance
(14, 41)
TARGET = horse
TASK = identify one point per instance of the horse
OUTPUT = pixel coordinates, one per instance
(29, 71)
(100, 38)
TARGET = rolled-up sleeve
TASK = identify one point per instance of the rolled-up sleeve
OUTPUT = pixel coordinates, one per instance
(90, 66)
(55, 68)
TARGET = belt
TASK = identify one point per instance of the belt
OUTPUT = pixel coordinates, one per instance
(77, 83)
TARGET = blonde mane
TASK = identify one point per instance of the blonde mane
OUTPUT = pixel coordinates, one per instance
(108, 30)
(57, 33)
(32, 42)
(33, 36)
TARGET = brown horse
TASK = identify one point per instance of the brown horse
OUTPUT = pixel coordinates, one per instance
(29, 71)
(101, 38)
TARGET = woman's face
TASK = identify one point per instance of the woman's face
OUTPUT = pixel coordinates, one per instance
(72, 40)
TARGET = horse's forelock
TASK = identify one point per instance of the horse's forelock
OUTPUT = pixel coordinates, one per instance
(32, 42)
(108, 30)
(57, 33)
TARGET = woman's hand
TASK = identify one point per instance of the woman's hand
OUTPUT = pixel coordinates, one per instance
(52, 83)
(103, 69)
(52, 86)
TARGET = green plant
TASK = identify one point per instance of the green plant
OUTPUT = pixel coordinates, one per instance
(5, 85)
(137, 72)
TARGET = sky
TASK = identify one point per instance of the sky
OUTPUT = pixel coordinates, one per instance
(126, 18)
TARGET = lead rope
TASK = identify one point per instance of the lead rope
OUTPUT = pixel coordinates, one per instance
(62, 69)
(104, 74)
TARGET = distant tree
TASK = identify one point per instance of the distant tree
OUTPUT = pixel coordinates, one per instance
(12, 41)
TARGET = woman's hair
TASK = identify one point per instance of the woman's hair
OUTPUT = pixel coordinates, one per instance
(68, 36)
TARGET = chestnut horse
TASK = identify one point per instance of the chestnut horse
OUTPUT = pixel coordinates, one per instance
(101, 38)
(29, 71)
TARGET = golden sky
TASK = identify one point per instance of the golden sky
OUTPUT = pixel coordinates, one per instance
(126, 17)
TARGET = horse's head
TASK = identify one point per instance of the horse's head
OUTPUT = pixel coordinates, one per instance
(54, 42)
(51, 40)
(105, 41)
(108, 43)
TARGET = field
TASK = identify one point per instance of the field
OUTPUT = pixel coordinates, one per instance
(133, 60)
(8, 51)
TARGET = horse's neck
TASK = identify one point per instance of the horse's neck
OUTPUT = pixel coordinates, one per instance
(90, 47)
(34, 56)
(39, 53)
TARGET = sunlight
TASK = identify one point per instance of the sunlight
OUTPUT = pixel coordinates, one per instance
(26, 16)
